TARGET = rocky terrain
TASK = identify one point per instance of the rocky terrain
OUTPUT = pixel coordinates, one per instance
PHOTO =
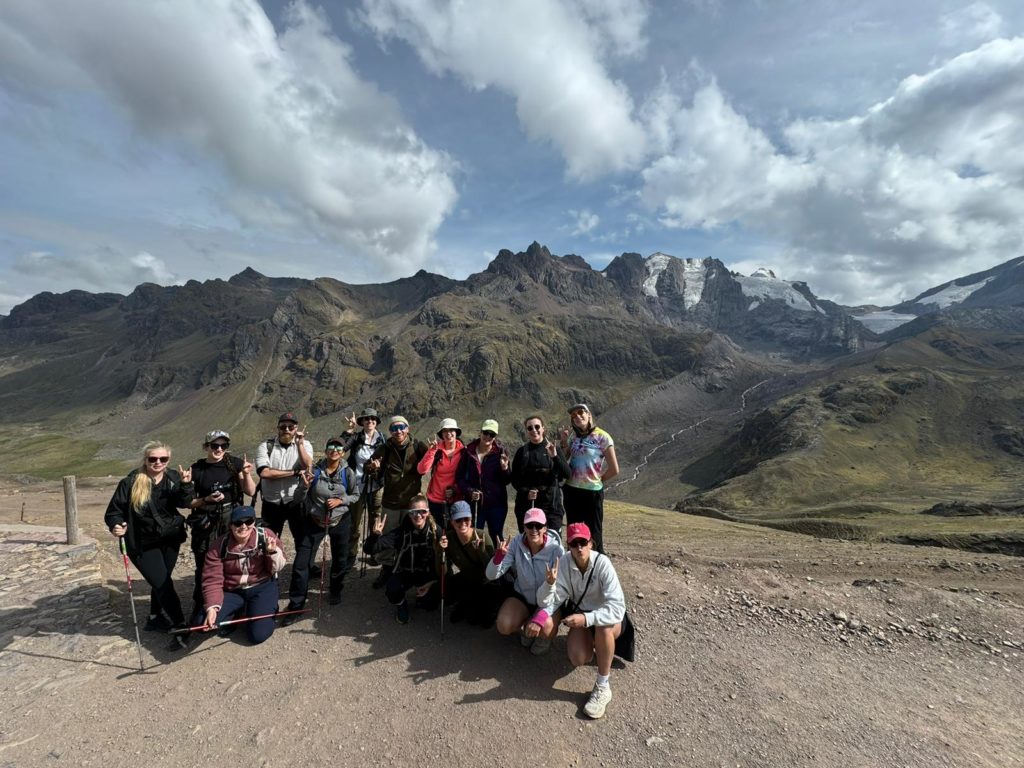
(756, 648)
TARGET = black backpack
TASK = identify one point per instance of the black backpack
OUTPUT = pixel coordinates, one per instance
(261, 541)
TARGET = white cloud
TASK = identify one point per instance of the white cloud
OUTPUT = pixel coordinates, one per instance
(972, 24)
(155, 267)
(585, 221)
(104, 269)
(283, 113)
(546, 55)
(868, 201)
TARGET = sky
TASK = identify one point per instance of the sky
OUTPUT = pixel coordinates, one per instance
(870, 149)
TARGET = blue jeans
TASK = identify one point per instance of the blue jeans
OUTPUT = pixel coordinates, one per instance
(307, 543)
(254, 601)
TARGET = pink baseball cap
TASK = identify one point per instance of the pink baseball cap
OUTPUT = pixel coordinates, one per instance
(535, 515)
(577, 531)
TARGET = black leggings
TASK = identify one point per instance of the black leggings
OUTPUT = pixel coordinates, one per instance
(583, 506)
(156, 564)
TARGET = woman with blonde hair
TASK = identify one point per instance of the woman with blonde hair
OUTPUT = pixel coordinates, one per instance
(144, 510)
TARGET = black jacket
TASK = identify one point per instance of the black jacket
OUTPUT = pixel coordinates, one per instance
(158, 522)
(533, 468)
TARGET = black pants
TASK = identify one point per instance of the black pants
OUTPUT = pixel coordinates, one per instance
(202, 537)
(156, 564)
(400, 583)
(546, 500)
(306, 545)
(276, 515)
(478, 600)
(583, 506)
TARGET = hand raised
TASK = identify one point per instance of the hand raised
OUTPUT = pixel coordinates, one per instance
(247, 466)
(552, 573)
(550, 448)
(502, 547)
(378, 525)
(432, 442)
(353, 425)
(504, 462)
(443, 542)
(186, 474)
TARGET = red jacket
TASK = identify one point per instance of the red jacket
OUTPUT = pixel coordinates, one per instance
(442, 471)
(243, 566)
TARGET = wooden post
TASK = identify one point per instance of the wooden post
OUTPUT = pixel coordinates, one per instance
(71, 509)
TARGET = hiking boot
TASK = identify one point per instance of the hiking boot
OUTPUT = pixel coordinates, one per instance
(598, 701)
(157, 622)
(540, 646)
(402, 612)
(291, 618)
(179, 642)
(335, 598)
(525, 640)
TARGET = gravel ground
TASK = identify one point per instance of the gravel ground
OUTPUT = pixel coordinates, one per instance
(756, 648)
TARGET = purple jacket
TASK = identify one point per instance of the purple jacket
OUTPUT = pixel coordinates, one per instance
(488, 477)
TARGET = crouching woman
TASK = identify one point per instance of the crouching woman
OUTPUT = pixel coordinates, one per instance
(240, 575)
(528, 556)
(594, 612)
(415, 550)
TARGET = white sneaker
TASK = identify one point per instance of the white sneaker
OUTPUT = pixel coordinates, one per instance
(540, 646)
(598, 701)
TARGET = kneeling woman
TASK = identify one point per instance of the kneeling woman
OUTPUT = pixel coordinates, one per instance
(528, 556)
(595, 612)
(240, 574)
(415, 550)
(144, 511)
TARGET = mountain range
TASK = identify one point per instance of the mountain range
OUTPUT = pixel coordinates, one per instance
(726, 393)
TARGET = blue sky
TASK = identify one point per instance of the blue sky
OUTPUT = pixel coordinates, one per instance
(871, 149)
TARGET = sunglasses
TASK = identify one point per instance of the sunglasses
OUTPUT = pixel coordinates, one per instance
(579, 412)
(288, 427)
(418, 512)
(243, 523)
(535, 428)
(578, 543)
(219, 446)
(489, 433)
(158, 459)
(398, 427)
(534, 526)
(332, 448)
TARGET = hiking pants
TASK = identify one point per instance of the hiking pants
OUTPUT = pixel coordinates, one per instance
(254, 601)
(156, 564)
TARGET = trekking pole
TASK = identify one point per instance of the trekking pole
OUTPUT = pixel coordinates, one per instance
(444, 560)
(365, 522)
(131, 602)
(323, 562)
(219, 624)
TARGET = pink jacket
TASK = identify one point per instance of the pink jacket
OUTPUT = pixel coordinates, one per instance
(442, 474)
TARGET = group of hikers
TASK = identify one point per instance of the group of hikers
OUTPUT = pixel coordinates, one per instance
(446, 544)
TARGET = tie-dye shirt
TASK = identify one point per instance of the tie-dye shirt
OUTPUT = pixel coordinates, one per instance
(586, 459)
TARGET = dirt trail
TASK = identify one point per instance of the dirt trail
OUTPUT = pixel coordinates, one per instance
(757, 648)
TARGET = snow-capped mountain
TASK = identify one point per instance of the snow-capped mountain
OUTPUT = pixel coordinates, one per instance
(1000, 286)
(760, 308)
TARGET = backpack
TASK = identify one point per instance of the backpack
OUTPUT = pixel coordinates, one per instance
(261, 541)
